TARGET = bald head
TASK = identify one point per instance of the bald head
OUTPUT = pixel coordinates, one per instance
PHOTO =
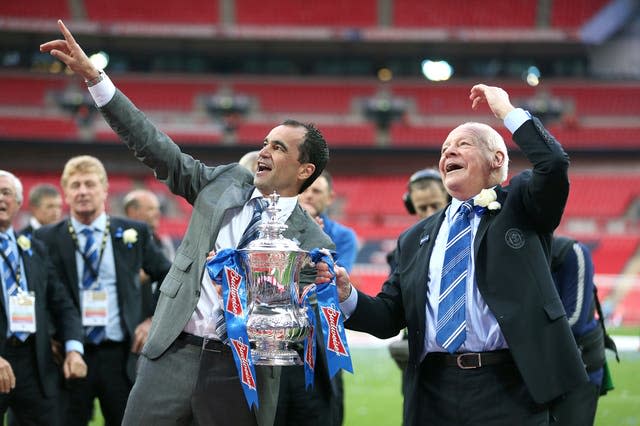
(250, 161)
(143, 205)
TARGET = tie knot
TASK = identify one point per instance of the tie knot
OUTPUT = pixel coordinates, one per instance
(466, 207)
(87, 232)
(260, 204)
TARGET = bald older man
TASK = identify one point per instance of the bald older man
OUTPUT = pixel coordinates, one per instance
(489, 340)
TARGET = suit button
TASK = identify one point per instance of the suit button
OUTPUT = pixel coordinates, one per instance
(197, 293)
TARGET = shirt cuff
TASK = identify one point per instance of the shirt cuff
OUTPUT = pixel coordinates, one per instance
(515, 119)
(349, 305)
(103, 92)
(74, 345)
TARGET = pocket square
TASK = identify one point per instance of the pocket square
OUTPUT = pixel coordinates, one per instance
(424, 240)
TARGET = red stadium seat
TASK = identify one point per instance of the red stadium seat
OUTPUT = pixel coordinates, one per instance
(575, 13)
(38, 128)
(461, 13)
(304, 96)
(354, 13)
(192, 12)
(50, 9)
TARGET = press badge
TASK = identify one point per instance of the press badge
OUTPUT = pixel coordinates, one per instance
(22, 312)
(94, 307)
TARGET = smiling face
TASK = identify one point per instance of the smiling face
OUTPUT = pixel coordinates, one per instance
(467, 163)
(278, 166)
(86, 196)
(9, 204)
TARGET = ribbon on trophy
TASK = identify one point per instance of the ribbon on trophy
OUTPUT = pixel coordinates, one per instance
(310, 342)
(331, 322)
(225, 269)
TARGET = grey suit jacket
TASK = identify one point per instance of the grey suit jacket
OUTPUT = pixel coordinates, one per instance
(211, 191)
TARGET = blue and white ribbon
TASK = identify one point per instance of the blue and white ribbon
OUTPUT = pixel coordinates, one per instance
(225, 269)
(331, 322)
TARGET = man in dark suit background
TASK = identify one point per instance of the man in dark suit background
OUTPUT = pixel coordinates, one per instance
(187, 374)
(511, 351)
(45, 206)
(104, 282)
(29, 378)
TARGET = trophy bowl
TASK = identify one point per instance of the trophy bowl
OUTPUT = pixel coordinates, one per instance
(276, 321)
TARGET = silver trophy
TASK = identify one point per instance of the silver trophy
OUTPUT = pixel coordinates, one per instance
(276, 320)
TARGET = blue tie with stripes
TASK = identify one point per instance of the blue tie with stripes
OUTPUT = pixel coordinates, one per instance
(10, 271)
(252, 230)
(95, 334)
(451, 324)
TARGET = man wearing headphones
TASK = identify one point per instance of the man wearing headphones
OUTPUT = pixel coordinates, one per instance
(425, 193)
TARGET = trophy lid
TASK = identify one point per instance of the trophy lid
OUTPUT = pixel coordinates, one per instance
(270, 232)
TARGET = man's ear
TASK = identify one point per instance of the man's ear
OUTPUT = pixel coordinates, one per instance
(498, 160)
(306, 170)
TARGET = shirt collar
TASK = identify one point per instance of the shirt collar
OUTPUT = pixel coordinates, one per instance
(285, 204)
(99, 224)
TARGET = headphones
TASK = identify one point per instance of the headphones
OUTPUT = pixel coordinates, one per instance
(424, 174)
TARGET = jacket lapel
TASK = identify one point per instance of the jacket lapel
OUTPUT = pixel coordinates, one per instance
(68, 256)
(486, 219)
(234, 197)
(426, 243)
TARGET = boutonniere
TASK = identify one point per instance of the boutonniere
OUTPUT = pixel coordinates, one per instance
(129, 236)
(487, 198)
(25, 244)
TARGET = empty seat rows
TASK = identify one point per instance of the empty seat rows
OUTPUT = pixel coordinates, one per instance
(328, 96)
(494, 14)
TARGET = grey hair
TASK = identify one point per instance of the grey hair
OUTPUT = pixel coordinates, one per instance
(16, 183)
(494, 143)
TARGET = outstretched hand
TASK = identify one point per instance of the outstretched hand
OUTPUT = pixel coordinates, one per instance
(70, 52)
(495, 97)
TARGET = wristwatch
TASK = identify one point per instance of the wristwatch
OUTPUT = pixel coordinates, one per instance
(95, 80)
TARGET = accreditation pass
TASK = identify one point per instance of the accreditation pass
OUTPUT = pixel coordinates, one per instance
(94, 307)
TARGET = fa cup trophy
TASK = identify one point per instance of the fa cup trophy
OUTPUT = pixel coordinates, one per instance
(276, 319)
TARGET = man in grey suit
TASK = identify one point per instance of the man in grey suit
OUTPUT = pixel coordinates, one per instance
(186, 374)
(510, 350)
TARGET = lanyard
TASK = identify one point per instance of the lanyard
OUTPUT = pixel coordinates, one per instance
(87, 261)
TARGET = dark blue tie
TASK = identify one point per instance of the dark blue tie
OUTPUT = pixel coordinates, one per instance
(252, 230)
(95, 334)
(10, 269)
(451, 324)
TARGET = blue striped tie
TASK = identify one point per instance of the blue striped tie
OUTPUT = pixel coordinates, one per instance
(10, 269)
(95, 334)
(451, 324)
(252, 230)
